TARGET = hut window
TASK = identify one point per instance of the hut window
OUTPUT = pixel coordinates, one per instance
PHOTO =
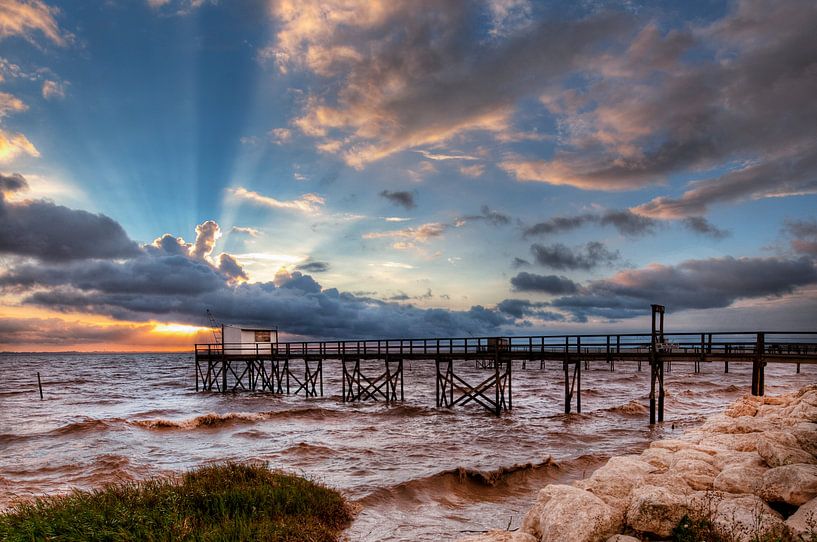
(262, 336)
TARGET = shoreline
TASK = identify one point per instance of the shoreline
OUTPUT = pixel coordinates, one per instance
(749, 473)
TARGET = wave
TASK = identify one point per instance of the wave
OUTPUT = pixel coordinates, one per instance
(630, 408)
(205, 420)
(464, 482)
(86, 424)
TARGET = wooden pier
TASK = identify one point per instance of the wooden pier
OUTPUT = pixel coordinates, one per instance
(373, 369)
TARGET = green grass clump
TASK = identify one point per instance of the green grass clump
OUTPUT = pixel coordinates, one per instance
(221, 502)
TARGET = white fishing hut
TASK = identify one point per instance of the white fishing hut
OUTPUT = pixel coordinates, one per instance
(237, 340)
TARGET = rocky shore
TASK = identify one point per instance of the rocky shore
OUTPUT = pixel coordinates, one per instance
(749, 474)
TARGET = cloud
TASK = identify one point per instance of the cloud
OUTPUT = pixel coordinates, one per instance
(626, 222)
(708, 96)
(245, 230)
(473, 171)
(57, 332)
(279, 136)
(805, 236)
(420, 234)
(207, 233)
(411, 76)
(495, 218)
(170, 285)
(53, 90)
(523, 308)
(441, 156)
(231, 269)
(793, 174)
(13, 145)
(699, 224)
(25, 18)
(548, 284)
(307, 203)
(10, 104)
(559, 256)
(400, 198)
(692, 284)
(314, 267)
(53, 233)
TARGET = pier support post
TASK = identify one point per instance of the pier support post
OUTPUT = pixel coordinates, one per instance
(656, 365)
(758, 365)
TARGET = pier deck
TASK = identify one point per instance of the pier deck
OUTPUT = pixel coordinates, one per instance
(297, 367)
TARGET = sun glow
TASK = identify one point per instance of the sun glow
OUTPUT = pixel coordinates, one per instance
(180, 329)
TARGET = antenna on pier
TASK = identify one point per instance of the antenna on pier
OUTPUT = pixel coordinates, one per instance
(216, 328)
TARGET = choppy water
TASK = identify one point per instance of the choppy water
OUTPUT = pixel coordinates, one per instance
(419, 473)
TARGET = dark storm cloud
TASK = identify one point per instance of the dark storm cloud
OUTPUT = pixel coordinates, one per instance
(699, 224)
(167, 280)
(523, 308)
(519, 262)
(692, 284)
(55, 233)
(400, 198)
(626, 222)
(314, 267)
(559, 256)
(548, 284)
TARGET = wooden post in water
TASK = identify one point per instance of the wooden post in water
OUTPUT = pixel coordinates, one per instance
(40, 385)
(656, 365)
(758, 365)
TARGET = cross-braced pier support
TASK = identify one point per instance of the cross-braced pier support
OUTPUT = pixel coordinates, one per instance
(358, 387)
(450, 384)
(219, 373)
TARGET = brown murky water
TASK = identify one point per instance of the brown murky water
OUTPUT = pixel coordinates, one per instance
(419, 473)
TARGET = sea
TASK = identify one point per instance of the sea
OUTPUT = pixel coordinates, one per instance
(412, 470)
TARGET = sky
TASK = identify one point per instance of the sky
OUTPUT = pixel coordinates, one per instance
(352, 169)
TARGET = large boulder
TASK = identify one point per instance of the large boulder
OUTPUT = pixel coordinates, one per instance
(699, 475)
(806, 435)
(791, 484)
(614, 481)
(802, 524)
(742, 478)
(656, 510)
(778, 448)
(564, 512)
(747, 519)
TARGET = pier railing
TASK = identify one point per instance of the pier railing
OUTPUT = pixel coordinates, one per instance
(785, 344)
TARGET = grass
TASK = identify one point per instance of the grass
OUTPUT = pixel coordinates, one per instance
(228, 501)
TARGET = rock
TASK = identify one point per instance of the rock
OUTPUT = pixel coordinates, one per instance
(614, 481)
(564, 512)
(698, 474)
(622, 538)
(499, 536)
(741, 442)
(806, 435)
(778, 448)
(747, 519)
(739, 479)
(802, 524)
(656, 510)
(792, 484)
(745, 406)
(660, 458)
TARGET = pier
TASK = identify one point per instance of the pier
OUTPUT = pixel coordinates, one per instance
(373, 369)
